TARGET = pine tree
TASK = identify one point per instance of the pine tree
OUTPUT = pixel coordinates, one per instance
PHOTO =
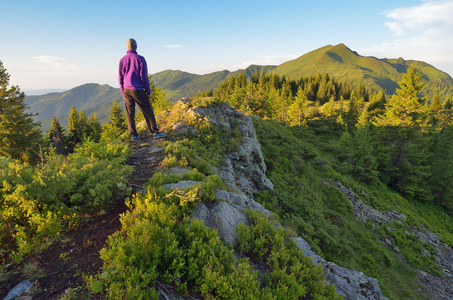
(19, 134)
(297, 109)
(116, 116)
(441, 153)
(94, 127)
(405, 108)
(436, 104)
(56, 137)
(74, 133)
(329, 107)
(403, 117)
(159, 100)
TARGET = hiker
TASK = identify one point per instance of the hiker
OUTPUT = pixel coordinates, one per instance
(134, 85)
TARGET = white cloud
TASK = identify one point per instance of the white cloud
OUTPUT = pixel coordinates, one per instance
(428, 14)
(54, 62)
(174, 46)
(423, 32)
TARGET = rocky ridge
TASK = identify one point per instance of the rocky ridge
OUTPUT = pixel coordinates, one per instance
(244, 173)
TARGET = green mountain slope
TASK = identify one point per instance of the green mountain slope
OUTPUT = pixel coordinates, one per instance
(90, 97)
(338, 61)
(178, 84)
(381, 74)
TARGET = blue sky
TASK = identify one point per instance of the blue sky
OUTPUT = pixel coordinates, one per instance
(62, 44)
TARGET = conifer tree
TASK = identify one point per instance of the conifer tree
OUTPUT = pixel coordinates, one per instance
(56, 136)
(94, 127)
(441, 162)
(116, 116)
(297, 109)
(74, 132)
(404, 109)
(329, 109)
(19, 134)
(436, 104)
(404, 114)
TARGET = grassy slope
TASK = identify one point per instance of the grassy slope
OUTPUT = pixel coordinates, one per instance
(344, 64)
(300, 164)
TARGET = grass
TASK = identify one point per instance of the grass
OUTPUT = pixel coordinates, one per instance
(311, 207)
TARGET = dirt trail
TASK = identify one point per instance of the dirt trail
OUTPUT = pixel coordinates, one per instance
(65, 262)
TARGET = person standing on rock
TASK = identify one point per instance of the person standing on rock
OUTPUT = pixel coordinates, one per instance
(134, 86)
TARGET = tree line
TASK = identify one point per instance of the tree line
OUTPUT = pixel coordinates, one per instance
(403, 140)
(21, 138)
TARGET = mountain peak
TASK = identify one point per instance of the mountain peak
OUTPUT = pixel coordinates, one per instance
(343, 50)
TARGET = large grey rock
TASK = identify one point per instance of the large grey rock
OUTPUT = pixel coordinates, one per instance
(19, 290)
(352, 284)
(223, 217)
(182, 185)
(240, 201)
(244, 170)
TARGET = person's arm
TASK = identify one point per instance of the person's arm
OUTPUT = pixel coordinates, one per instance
(144, 76)
(121, 77)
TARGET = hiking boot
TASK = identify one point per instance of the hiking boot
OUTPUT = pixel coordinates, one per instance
(135, 138)
(159, 135)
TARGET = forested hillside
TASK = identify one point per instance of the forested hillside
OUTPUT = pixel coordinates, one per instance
(90, 98)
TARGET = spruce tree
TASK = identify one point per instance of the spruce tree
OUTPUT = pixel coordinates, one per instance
(74, 132)
(436, 104)
(94, 127)
(405, 108)
(403, 117)
(159, 100)
(116, 116)
(56, 137)
(19, 134)
(297, 109)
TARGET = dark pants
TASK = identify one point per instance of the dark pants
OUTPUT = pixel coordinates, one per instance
(141, 98)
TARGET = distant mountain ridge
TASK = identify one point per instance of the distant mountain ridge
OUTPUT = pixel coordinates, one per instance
(178, 84)
(90, 97)
(343, 64)
(338, 61)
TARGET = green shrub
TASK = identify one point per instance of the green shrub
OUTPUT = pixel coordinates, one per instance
(37, 204)
(292, 274)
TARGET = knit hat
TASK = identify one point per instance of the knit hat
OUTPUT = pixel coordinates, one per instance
(131, 44)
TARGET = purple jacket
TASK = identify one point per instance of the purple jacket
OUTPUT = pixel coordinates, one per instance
(133, 72)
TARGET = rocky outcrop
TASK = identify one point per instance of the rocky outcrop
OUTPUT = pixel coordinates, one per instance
(437, 287)
(244, 174)
(243, 170)
(20, 289)
(349, 284)
(363, 212)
